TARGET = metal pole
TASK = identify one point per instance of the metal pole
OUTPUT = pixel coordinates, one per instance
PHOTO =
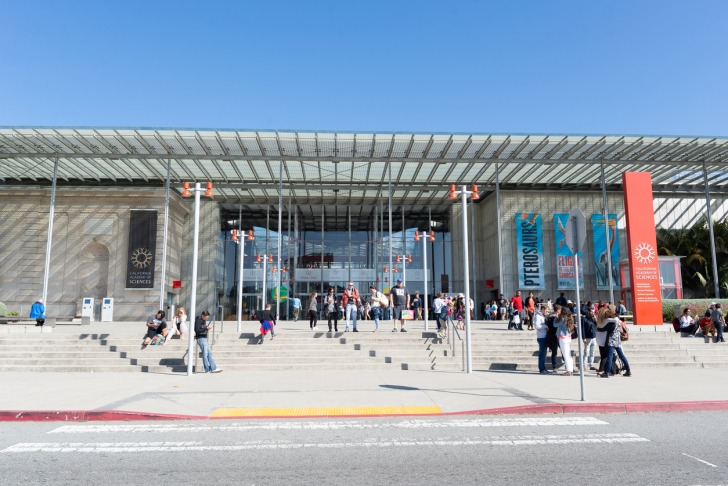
(265, 257)
(241, 244)
(321, 280)
(391, 270)
(424, 271)
(49, 242)
(295, 252)
(193, 290)
(288, 256)
(466, 279)
(348, 210)
(164, 244)
(501, 277)
(578, 315)
(716, 282)
(404, 251)
(606, 235)
(475, 261)
(280, 241)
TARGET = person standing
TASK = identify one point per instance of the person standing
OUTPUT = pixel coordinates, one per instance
(350, 300)
(539, 323)
(517, 306)
(400, 299)
(201, 328)
(612, 327)
(483, 312)
(564, 328)
(313, 311)
(502, 307)
(438, 305)
(552, 342)
(530, 307)
(296, 304)
(561, 300)
(378, 300)
(718, 321)
(37, 312)
(332, 309)
(589, 338)
(417, 306)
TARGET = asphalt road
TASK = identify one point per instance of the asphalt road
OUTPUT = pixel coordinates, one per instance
(543, 449)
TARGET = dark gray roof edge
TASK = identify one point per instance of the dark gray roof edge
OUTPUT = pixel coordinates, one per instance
(356, 132)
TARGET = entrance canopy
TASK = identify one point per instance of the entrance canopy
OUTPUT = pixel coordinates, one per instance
(342, 169)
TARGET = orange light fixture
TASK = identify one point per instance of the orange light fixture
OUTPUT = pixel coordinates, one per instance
(396, 270)
(432, 235)
(250, 235)
(417, 236)
(284, 269)
(475, 196)
(398, 259)
(270, 258)
(235, 235)
(186, 189)
(386, 269)
(273, 269)
(257, 259)
(409, 258)
(452, 192)
(208, 192)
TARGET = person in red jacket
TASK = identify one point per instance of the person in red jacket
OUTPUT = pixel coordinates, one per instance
(517, 306)
(350, 300)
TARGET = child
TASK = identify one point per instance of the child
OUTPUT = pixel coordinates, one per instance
(267, 321)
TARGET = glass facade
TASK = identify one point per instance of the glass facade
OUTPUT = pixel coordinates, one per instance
(312, 260)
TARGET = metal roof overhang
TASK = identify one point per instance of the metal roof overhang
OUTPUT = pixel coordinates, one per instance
(326, 168)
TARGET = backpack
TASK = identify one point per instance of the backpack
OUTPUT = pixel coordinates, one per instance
(383, 301)
(676, 324)
(623, 332)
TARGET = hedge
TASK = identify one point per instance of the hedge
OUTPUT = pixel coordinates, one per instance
(3, 310)
(697, 306)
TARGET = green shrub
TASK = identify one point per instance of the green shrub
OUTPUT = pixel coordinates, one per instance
(697, 306)
(14, 313)
(3, 310)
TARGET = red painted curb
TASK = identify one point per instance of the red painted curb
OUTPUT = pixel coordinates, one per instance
(88, 416)
(535, 409)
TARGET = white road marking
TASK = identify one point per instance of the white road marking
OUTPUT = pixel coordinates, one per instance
(333, 425)
(145, 447)
(699, 460)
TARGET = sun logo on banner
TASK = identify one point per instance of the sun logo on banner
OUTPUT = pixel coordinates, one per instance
(141, 258)
(644, 253)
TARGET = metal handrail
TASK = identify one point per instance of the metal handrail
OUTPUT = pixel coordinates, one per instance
(449, 322)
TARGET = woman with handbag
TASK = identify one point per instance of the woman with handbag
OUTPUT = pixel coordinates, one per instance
(313, 311)
(564, 327)
(378, 301)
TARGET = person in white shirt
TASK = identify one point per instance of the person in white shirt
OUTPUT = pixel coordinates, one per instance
(437, 307)
(688, 324)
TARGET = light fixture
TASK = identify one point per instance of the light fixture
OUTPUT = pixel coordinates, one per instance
(235, 235)
(475, 196)
(409, 258)
(398, 259)
(432, 235)
(186, 192)
(270, 258)
(257, 259)
(250, 235)
(208, 192)
(452, 192)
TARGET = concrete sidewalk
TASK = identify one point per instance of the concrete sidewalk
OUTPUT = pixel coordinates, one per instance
(111, 396)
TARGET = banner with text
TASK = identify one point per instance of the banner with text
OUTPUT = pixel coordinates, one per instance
(644, 267)
(529, 251)
(142, 248)
(601, 243)
(565, 278)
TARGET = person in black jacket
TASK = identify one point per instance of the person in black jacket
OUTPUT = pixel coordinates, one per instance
(588, 336)
(267, 320)
(551, 340)
(201, 328)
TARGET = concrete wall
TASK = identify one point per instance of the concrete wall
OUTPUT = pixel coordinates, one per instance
(90, 238)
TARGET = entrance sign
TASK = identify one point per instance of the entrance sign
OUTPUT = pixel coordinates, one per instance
(642, 243)
(141, 253)
(336, 274)
(529, 251)
(565, 279)
(602, 244)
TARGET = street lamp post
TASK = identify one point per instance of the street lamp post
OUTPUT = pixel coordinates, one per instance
(466, 271)
(195, 240)
(424, 237)
(241, 242)
(265, 260)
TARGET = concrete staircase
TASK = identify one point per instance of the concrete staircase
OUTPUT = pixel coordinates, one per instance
(415, 350)
(516, 350)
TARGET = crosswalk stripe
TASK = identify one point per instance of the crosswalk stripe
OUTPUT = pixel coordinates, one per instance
(333, 425)
(146, 447)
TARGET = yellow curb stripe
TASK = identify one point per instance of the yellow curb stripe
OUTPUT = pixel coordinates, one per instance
(326, 411)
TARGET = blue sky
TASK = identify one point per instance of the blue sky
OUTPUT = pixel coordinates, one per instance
(626, 67)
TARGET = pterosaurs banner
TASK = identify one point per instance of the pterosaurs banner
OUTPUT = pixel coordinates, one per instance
(142, 247)
(602, 247)
(529, 248)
